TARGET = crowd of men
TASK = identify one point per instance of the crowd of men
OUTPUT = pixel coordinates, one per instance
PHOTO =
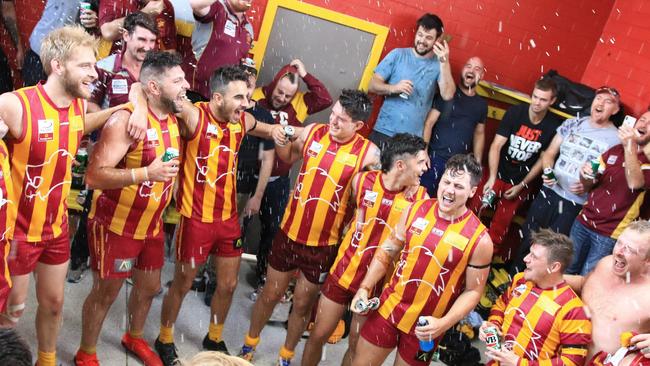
(388, 226)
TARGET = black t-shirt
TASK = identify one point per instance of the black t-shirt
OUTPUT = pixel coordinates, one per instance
(248, 157)
(453, 133)
(526, 142)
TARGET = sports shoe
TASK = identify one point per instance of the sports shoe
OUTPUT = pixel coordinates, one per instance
(166, 351)
(211, 345)
(141, 349)
(84, 359)
(284, 361)
(247, 353)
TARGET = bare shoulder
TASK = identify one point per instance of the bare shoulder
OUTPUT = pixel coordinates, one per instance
(10, 106)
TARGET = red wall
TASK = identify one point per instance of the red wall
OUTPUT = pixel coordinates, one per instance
(621, 58)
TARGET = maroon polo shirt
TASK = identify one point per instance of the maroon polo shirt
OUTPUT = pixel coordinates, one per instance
(229, 41)
(113, 82)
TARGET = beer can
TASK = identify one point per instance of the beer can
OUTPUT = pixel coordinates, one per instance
(549, 175)
(83, 5)
(492, 338)
(403, 95)
(170, 153)
(596, 168)
(360, 306)
(373, 304)
(289, 131)
(488, 198)
(82, 160)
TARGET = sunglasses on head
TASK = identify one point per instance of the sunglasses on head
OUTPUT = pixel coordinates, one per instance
(609, 90)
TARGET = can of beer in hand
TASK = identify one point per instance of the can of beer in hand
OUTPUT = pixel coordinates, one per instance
(403, 95)
(595, 167)
(361, 306)
(83, 5)
(79, 170)
(549, 175)
(373, 304)
(170, 153)
(492, 338)
(488, 198)
(289, 131)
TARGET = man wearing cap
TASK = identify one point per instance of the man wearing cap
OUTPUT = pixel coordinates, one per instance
(577, 141)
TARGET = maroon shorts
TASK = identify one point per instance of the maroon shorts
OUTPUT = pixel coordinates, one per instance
(115, 256)
(24, 255)
(196, 240)
(381, 333)
(5, 279)
(314, 262)
(333, 291)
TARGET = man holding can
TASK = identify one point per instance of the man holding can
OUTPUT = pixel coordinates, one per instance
(125, 222)
(540, 319)
(207, 201)
(514, 160)
(578, 140)
(443, 257)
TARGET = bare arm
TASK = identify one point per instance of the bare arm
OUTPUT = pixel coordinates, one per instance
(493, 160)
(292, 152)
(273, 132)
(550, 154)
(9, 16)
(633, 173)
(373, 158)
(111, 148)
(479, 141)
(11, 113)
(429, 122)
(98, 119)
(445, 81)
(575, 282)
(112, 31)
(201, 7)
(254, 203)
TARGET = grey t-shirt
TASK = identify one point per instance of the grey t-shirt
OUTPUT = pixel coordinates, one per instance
(56, 14)
(581, 142)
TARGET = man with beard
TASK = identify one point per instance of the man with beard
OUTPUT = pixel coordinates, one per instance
(222, 36)
(315, 216)
(443, 258)
(288, 107)
(46, 123)
(577, 141)
(453, 127)
(610, 207)
(125, 222)
(515, 157)
(407, 77)
(617, 295)
(380, 197)
(117, 72)
(207, 201)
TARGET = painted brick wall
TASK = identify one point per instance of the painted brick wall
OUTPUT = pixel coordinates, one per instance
(564, 33)
(621, 56)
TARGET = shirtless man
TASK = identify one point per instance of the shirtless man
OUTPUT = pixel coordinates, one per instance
(625, 274)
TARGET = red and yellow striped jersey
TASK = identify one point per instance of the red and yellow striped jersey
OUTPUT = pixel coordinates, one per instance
(377, 212)
(135, 211)
(317, 206)
(6, 222)
(543, 326)
(41, 164)
(430, 274)
(208, 180)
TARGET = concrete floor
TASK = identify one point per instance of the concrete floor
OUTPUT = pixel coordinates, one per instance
(190, 328)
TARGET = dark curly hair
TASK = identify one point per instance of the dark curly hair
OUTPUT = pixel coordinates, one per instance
(157, 63)
(399, 145)
(356, 104)
(465, 163)
(224, 75)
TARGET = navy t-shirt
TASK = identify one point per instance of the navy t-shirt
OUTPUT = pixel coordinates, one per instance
(453, 133)
(248, 156)
(526, 142)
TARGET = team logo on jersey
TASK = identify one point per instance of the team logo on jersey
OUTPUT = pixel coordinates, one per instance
(45, 130)
(612, 159)
(369, 198)
(152, 137)
(386, 202)
(437, 232)
(519, 290)
(35, 185)
(212, 131)
(314, 149)
(330, 184)
(346, 158)
(418, 226)
(203, 171)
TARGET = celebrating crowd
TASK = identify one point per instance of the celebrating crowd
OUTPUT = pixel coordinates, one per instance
(390, 226)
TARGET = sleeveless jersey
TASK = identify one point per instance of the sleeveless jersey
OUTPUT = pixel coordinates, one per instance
(377, 212)
(430, 274)
(208, 181)
(135, 211)
(317, 206)
(41, 164)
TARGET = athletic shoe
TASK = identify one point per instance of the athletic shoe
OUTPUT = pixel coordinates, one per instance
(84, 359)
(141, 349)
(211, 345)
(166, 351)
(247, 353)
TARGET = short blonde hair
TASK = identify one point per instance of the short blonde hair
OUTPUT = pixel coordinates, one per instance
(211, 358)
(60, 43)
